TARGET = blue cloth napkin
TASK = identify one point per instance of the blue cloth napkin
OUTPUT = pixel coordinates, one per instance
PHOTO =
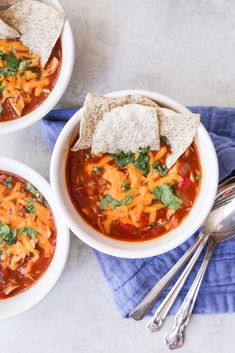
(130, 280)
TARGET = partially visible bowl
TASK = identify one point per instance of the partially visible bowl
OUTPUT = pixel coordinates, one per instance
(30, 297)
(156, 246)
(65, 74)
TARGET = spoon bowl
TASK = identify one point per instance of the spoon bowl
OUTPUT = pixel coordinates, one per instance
(220, 223)
(220, 226)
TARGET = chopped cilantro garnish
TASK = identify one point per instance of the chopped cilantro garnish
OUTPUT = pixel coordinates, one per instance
(165, 140)
(122, 159)
(4, 229)
(125, 186)
(127, 200)
(8, 235)
(96, 170)
(161, 168)
(29, 187)
(87, 156)
(109, 200)
(30, 208)
(25, 64)
(1, 87)
(142, 162)
(165, 194)
(8, 182)
(12, 65)
(0, 252)
(81, 182)
(1, 109)
(28, 231)
(197, 177)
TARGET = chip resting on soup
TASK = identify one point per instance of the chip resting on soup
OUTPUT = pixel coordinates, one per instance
(133, 173)
(27, 235)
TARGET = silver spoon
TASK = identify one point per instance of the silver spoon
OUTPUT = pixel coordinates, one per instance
(221, 226)
(223, 198)
(147, 302)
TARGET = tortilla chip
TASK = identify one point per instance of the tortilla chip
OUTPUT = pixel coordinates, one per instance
(94, 109)
(4, 4)
(6, 32)
(180, 129)
(39, 25)
(127, 128)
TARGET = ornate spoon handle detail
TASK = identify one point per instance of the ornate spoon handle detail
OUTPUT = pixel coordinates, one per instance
(157, 320)
(139, 312)
(175, 337)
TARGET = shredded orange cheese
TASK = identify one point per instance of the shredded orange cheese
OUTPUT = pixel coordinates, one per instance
(25, 250)
(140, 186)
(20, 88)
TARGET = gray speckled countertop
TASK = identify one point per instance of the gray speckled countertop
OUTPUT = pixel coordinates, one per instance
(184, 49)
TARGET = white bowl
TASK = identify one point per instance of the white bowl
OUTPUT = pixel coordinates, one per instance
(62, 82)
(156, 246)
(30, 297)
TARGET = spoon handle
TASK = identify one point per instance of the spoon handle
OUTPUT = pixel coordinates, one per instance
(143, 307)
(175, 337)
(156, 321)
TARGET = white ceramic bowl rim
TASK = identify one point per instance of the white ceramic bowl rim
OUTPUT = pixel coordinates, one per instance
(153, 247)
(30, 297)
(61, 84)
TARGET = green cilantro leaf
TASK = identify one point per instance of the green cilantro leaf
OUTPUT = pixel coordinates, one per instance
(1, 87)
(29, 187)
(25, 64)
(161, 168)
(165, 194)
(109, 200)
(165, 140)
(87, 156)
(142, 162)
(12, 65)
(127, 200)
(30, 208)
(28, 231)
(8, 235)
(8, 182)
(122, 159)
(106, 200)
(197, 177)
(125, 186)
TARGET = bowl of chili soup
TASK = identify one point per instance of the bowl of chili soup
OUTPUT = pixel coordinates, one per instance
(34, 242)
(188, 199)
(32, 82)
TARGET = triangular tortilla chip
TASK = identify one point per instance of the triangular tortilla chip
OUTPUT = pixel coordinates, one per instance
(7, 32)
(180, 129)
(40, 25)
(94, 109)
(126, 129)
(4, 4)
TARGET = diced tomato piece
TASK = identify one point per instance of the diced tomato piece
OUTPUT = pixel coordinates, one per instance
(144, 219)
(183, 184)
(120, 229)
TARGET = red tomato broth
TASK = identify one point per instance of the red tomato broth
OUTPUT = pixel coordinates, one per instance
(86, 190)
(18, 276)
(8, 112)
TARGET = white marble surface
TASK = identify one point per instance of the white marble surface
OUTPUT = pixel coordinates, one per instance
(184, 49)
